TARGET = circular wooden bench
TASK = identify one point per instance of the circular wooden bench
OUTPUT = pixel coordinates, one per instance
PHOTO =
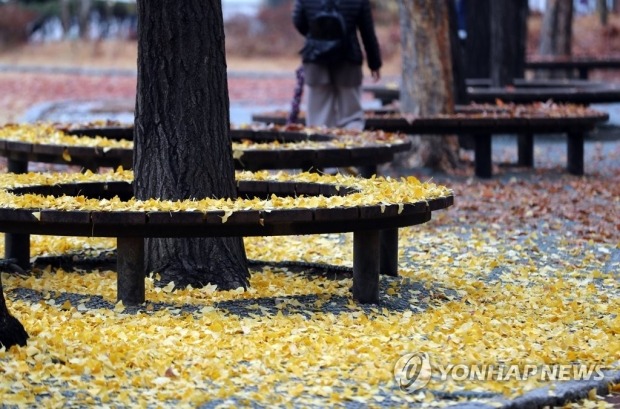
(374, 225)
(484, 121)
(582, 64)
(574, 94)
(297, 148)
(280, 117)
(573, 121)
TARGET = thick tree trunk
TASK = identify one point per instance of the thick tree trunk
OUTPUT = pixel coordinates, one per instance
(478, 41)
(508, 39)
(556, 34)
(458, 63)
(183, 149)
(427, 77)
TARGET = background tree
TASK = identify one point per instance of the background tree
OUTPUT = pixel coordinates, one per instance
(84, 17)
(65, 16)
(427, 76)
(182, 145)
(556, 34)
(508, 41)
(603, 11)
(496, 41)
(477, 53)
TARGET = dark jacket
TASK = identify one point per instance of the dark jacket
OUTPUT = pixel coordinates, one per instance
(357, 16)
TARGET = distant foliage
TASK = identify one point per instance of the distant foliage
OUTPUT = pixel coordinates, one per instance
(14, 24)
(270, 33)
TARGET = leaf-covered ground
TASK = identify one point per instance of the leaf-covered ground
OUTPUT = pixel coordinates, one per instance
(524, 269)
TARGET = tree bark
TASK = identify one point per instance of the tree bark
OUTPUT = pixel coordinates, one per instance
(427, 78)
(603, 11)
(183, 148)
(556, 34)
(458, 62)
(83, 19)
(508, 40)
(65, 17)
(478, 41)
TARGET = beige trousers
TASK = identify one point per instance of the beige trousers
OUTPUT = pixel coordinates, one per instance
(334, 96)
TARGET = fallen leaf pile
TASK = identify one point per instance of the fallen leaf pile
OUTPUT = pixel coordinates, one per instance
(54, 134)
(374, 191)
(483, 284)
(502, 109)
(48, 134)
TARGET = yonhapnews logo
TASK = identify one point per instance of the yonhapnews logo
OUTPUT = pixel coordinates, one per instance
(413, 371)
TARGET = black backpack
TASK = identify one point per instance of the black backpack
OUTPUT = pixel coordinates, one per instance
(327, 35)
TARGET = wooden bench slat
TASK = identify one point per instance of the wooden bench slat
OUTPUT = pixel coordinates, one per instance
(337, 214)
(20, 147)
(118, 218)
(65, 217)
(244, 217)
(175, 218)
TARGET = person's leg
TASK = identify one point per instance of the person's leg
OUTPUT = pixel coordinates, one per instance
(349, 107)
(321, 107)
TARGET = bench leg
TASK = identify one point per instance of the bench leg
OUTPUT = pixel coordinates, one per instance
(366, 266)
(17, 246)
(388, 257)
(526, 149)
(483, 155)
(17, 166)
(574, 153)
(367, 171)
(130, 270)
(583, 73)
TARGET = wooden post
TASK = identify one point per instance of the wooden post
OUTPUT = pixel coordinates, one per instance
(366, 266)
(367, 171)
(388, 257)
(483, 158)
(574, 153)
(17, 246)
(17, 166)
(526, 149)
(130, 270)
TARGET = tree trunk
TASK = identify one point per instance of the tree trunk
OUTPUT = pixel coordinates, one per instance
(83, 19)
(11, 330)
(427, 77)
(65, 17)
(508, 32)
(183, 149)
(603, 11)
(478, 41)
(456, 51)
(556, 34)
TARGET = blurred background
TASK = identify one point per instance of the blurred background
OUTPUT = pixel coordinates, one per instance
(98, 29)
(43, 43)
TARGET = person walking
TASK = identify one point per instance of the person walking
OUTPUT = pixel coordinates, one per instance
(334, 83)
